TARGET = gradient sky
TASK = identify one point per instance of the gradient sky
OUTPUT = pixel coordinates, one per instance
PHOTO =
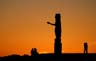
(23, 25)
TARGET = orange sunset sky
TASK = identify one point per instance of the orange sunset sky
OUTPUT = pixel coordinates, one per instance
(23, 25)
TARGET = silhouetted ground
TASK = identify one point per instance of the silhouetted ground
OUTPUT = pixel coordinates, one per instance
(50, 57)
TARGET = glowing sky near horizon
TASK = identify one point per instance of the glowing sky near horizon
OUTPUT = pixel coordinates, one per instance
(23, 25)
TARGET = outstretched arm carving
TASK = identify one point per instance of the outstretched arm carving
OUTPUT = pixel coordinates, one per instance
(50, 23)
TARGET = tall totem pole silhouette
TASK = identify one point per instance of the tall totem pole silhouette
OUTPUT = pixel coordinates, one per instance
(57, 44)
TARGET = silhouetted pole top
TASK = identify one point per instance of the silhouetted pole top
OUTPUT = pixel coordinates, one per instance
(57, 25)
(85, 45)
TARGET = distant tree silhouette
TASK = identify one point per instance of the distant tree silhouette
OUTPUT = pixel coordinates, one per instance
(34, 54)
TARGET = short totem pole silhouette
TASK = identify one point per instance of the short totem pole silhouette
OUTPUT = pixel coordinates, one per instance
(85, 47)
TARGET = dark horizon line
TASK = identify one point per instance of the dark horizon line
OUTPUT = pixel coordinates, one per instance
(49, 53)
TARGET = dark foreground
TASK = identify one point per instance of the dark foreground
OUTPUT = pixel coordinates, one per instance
(50, 57)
